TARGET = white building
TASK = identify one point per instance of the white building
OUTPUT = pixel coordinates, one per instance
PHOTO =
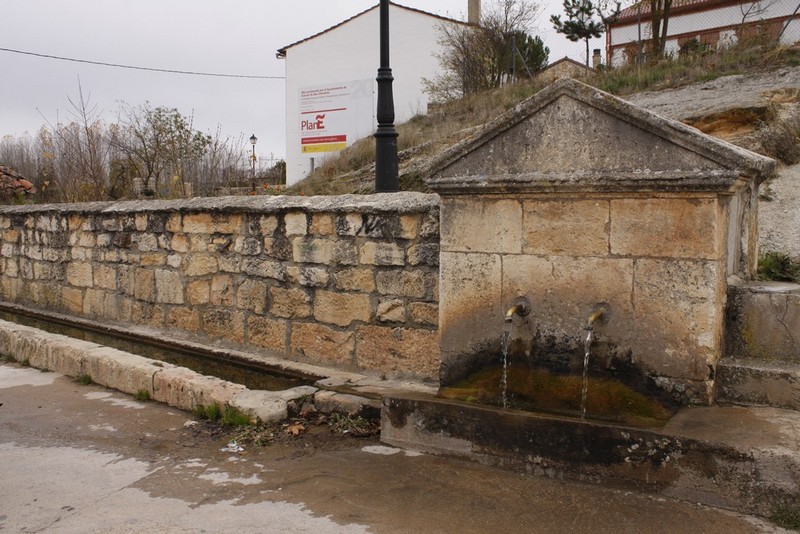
(331, 90)
(712, 23)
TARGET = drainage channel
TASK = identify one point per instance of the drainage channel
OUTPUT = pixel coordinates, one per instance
(250, 375)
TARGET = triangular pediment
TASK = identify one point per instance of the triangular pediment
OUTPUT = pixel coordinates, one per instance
(573, 137)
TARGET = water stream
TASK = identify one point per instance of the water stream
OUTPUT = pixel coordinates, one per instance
(585, 387)
(504, 382)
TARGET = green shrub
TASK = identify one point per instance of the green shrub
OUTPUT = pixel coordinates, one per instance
(227, 415)
(787, 517)
(83, 379)
(778, 266)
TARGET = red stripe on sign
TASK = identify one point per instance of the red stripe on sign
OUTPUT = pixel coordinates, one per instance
(324, 139)
(323, 111)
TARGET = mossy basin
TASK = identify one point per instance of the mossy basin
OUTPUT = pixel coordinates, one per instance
(541, 390)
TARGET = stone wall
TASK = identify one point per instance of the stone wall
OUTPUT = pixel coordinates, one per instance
(345, 281)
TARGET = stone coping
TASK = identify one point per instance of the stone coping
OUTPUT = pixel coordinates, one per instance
(769, 287)
(403, 202)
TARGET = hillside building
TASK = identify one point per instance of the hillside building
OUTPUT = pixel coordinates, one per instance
(331, 90)
(703, 24)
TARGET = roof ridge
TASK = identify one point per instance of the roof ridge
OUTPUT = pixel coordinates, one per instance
(282, 51)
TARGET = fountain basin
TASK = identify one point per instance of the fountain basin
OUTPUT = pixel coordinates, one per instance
(541, 390)
(743, 459)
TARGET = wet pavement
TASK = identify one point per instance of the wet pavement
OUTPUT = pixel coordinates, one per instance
(85, 459)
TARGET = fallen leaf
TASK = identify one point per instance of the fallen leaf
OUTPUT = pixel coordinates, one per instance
(295, 429)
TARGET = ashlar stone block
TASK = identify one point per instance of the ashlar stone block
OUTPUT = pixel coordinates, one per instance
(355, 279)
(224, 324)
(223, 292)
(381, 253)
(391, 311)
(399, 351)
(485, 225)
(145, 285)
(470, 319)
(252, 296)
(311, 250)
(342, 309)
(169, 287)
(267, 333)
(322, 224)
(322, 343)
(105, 276)
(423, 313)
(679, 316)
(296, 224)
(80, 274)
(401, 283)
(290, 303)
(183, 318)
(201, 265)
(198, 292)
(268, 224)
(213, 223)
(566, 228)
(565, 291)
(671, 228)
(307, 276)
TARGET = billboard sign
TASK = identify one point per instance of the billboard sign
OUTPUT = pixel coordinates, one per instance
(334, 116)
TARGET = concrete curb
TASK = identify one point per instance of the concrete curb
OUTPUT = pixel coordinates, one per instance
(163, 382)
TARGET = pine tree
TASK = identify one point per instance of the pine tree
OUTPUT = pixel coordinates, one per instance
(581, 23)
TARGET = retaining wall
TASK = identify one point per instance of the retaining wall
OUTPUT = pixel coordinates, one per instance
(349, 281)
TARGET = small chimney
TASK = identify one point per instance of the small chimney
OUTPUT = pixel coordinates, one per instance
(596, 59)
(474, 12)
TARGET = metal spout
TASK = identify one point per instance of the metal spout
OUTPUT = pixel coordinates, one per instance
(521, 307)
(596, 316)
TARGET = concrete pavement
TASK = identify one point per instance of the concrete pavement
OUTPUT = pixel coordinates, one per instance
(78, 459)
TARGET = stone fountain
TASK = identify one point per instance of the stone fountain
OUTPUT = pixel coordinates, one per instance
(580, 202)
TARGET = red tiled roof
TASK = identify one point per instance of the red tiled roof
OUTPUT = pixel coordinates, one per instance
(282, 51)
(13, 182)
(632, 12)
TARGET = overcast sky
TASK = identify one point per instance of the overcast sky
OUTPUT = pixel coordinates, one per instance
(217, 36)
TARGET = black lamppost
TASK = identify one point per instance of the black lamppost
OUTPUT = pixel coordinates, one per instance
(253, 141)
(386, 171)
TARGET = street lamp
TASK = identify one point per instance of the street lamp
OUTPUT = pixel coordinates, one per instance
(253, 141)
(386, 166)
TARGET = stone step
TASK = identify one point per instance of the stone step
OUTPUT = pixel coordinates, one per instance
(756, 382)
(763, 322)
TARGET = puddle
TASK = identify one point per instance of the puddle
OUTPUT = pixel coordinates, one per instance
(116, 401)
(382, 450)
(14, 376)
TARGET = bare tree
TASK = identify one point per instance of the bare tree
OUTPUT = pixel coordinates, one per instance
(150, 150)
(659, 26)
(159, 145)
(754, 10)
(474, 59)
(77, 153)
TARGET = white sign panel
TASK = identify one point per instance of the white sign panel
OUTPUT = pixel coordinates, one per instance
(334, 116)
